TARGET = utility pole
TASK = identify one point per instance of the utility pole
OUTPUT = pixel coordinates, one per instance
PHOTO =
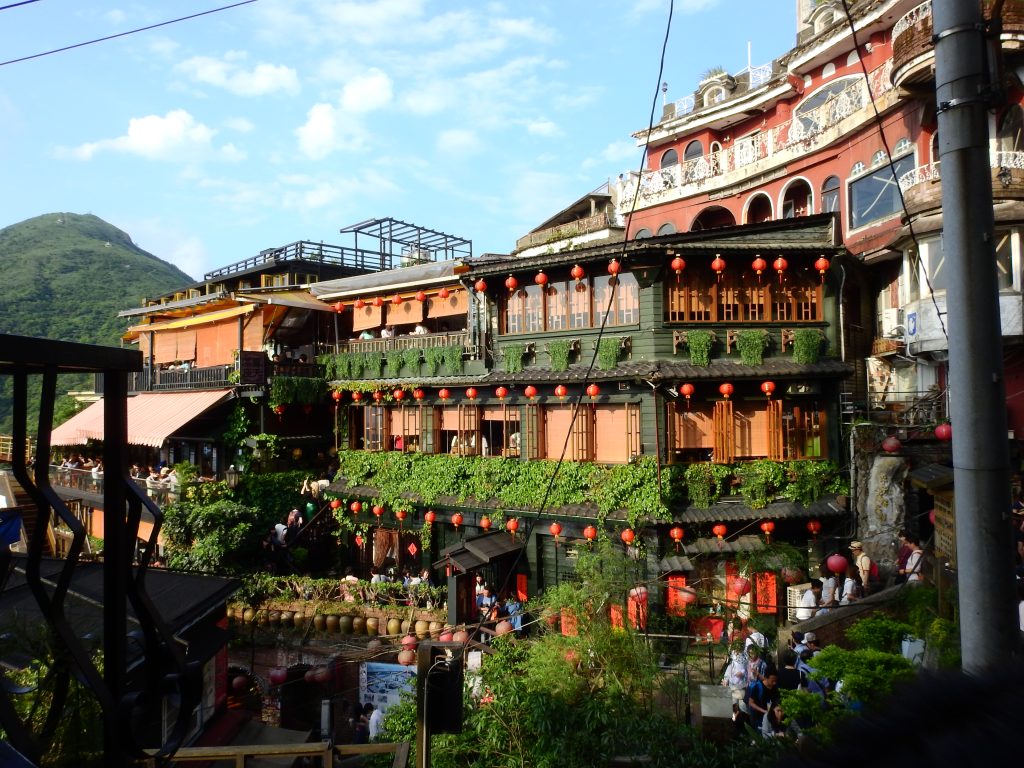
(988, 626)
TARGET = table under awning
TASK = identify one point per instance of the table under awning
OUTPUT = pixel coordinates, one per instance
(152, 417)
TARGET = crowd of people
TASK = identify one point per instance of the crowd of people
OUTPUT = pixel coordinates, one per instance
(491, 608)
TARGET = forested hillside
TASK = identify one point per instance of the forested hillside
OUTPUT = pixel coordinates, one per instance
(66, 276)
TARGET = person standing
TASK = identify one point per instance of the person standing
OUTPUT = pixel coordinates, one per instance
(809, 601)
(851, 585)
(376, 722)
(827, 599)
(762, 695)
(863, 563)
(915, 561)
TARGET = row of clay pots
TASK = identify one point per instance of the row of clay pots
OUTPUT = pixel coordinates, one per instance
(339, 624)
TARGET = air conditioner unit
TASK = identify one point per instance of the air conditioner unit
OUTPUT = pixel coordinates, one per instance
(892, 322)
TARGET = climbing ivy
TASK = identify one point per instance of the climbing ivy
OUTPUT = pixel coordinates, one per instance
(411, 359)
(699, 343)
(751, 345)
(807, 481)
(607, 353)
(395, 359)
(285, 390)
(806, 345)
(432, 357)
(373, 364)
(760, 481)
(512, 354)
(705, 482)
(237, 425)
(452, 356)
(558, 352)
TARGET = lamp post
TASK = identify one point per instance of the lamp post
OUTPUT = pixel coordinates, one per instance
(232, 477)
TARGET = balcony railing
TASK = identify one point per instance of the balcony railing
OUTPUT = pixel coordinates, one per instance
(803, 133)
(931, 172)
(321, 253)
(594, 223)
(909, 408)
(410, 342)
(155, 379)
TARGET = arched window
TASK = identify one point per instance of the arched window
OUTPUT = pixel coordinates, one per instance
(669, 158)
(714, 96)
(715, 147)
(693, 150)
(668, 228)
(828, 70)
(830, 195)
(812, 115)
(858, 168)
(642, 233)
(902, 146)
(879, 158)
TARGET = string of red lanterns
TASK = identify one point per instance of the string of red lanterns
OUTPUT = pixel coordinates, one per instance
(628, 536)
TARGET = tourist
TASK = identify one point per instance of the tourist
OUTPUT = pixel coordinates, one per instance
(419, 330)
(852, 588)
(901, 557)
(827, 599)
(388, 332)
(479, 585)
(293, 526)
(484, 602)
(773, 725)
(736, 677)
(367, 334)
(809, 601)
(376, 722)
(789, 676)
(761, 696)
(863, 563)
(914, 562)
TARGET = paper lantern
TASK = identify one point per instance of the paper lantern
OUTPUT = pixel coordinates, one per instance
(336, 395)
(511, 283)
(512, 525)
(541, 279)
(740, 585)
(759, 265)
(357, 396)
(501, 393)
(931, 516)
(400, 514)
(457, 520)
(279, 409)
(485, 523)
(687, 390)
(627, 536)
(593, 391)
(418, 394)
(421, 296)
(378, 511)
(791, 575)
(430, 516)
(444, 394)
(944, 432)
(397, 300)
(718, 266)
(892, 444)
(678, 265)
(443, 294)
(356, 507)
(555, 528)
(399, 395)
(335, 503)
(471, 393)
(725, 390)
(278, 675)
(688, 595)
(359, 540)
(377, 396)
(561, 391)
(814, 527)
(378, 301)
(719, 530)
(780, 265)
(822, 266)
(577, 273)
(836, 563)
(530, 391)
(359, 304)
(768, 387)
(676, 534)
(768, 526)
(590, 533)
(240, 684)
(338, 307)
(480, 286)
(614, 267)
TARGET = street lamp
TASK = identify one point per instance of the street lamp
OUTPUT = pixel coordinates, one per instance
(232, 477)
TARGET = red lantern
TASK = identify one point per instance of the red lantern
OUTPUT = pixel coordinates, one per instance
(485, 523)
(759, 265)
(678, 265)
(837, 563)
(501, 393)
(593, 391)
(335, 503)
(444, 394)
(540, 278)
(561, 391)
(279, 409)
(676, 534)
(278, 675)
(421, 296)
(719, 530)
(944, 432)
(336, 395)
(530, 391)
(768, 526)
(399, 395)
(359, 304)
(457, 520)
(555, 528)
(480, 286)
(614, 267)
(892, 444)
(430, 517)
(378, 301)
(357, 396)
(511, 283)
(718, 266)
(418, 394)
(687, 390)
(577, 273)
(378, 511)
(725, 389)
(590, 533)
(512, 525)
(627, 536)
(443, 294)
(240, 684)
(780, 265)
(931, 516)
(400, 514)
(397, 300)
(471, 393)
(768, 387)
(377, 395)
(359, 540)
(338, 307)
(688, 595)
(814, 527)
(740, 585)
(822, 266)
(356, 507)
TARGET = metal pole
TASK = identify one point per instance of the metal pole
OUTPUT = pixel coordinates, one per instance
(988, 626)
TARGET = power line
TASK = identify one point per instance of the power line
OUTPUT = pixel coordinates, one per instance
(121, 34)
(15, 5)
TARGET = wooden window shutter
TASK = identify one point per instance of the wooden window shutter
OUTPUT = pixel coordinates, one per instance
(533, 443)
(775, 441)
(724, 433)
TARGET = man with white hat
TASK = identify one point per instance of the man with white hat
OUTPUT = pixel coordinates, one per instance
(863, 563)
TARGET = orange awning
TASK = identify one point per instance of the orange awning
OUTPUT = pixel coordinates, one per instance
(152, 417)
(186, 322)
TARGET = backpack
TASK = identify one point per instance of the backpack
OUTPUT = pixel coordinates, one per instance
(873, 574)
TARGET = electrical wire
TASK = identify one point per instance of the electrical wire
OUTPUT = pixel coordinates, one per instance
(123, 34)
(15, 5)
(916, 255)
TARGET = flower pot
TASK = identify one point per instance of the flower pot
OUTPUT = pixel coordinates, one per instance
(248, 615)
(358, 625)
(332, 623)
(345, 625)
(319, 622)
(286, 618)
(372, 625)
(394, 626)
(274, 618)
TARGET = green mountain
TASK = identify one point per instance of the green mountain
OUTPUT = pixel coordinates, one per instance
(66, 276)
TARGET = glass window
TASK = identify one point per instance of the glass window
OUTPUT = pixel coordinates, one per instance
(642, 233)
(936, 264)
(671, 157)
(556, 306)
(828, 104)
(667, 229)
(858, 168)
(875, 195)
(693, 150)
(1004, 260)
(830, 195)
(579, 305)
(533, 309)
(902, 147)
(514, 312)
(878, 158)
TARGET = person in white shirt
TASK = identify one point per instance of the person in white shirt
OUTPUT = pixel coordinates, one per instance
(914, 562)
(420, 330)
(376, 722)
(809, 601)
(387, 333)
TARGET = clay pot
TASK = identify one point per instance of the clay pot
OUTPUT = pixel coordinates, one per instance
(358, 625)
(286, 618)
(435, 629)
(462, 636)
(274, 618)
(299, 619)
(375, 645)
(422, 629)
(240, 684)
(407, 658)
(248, 615)
(503, 627)
(345, 625)
(406, 627)
(261, 618)
(332, 623)
(319, 622)
(372, 625)
(394, 626)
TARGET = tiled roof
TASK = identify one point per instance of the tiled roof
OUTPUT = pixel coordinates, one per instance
(725, 511)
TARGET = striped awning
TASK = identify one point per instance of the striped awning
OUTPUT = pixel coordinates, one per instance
(152, 417)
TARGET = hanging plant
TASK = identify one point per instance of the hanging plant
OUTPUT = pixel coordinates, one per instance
(411, 359)
(807, 345)
(808, 480)
(607, 354)
(699, 343)
(760, 481)
(304, 390)
(373, 364)
(452, 356)
(751, 345)
(705, 482)
(432, 357)
(558, 353)
(512, 355)
(395, 360)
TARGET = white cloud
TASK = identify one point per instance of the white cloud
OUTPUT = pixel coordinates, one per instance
(430, 98)
(616, 152)
(366, 92)
(261, 80)
(167, 241)
(174, 136)
(328, 129)
(239, 124)
(461, 141)
(543, 127)
(163, 47)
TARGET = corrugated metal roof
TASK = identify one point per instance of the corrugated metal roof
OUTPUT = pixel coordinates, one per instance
(827, 506)
(152, 417)
(295, 299)
(389, 280)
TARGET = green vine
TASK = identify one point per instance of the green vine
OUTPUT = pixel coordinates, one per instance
(807, 481)
(237, 425)
(705, 482)
(395, 360)
(411, 359)
(452, 356)
(304, 390)
(373, 364)
(760, 481)
(512, 354)
(807, 345)
(558, 352)
(699, 343)
(432, 357)
(751, 345)
(607, 354)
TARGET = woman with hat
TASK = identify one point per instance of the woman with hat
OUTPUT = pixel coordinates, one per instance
(863, 563)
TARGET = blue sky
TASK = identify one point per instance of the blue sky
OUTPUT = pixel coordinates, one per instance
(282, 120)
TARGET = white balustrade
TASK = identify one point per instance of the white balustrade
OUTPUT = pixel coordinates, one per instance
(923, 11)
